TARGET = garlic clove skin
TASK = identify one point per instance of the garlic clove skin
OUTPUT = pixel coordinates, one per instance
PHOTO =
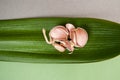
(81, 37)
(70, 26)
(59, 47)
(45, 36)
(59, 33)
(67, 45)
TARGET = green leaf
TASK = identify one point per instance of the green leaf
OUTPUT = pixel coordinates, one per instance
(21, 40)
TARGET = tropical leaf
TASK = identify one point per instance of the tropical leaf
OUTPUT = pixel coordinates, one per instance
(22, 40)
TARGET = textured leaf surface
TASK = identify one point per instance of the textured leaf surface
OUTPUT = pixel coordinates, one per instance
(22, 40)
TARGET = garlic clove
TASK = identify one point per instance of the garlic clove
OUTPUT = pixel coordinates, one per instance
(59, 33)
(68, 45)
(81, 37)
(59, 47)
(73, 37)
(69, 26)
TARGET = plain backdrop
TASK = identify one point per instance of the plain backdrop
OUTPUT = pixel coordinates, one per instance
(105, 9)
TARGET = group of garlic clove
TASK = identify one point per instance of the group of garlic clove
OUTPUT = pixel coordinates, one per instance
(66, 37)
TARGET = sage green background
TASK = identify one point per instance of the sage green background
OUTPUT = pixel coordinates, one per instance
(105, 70)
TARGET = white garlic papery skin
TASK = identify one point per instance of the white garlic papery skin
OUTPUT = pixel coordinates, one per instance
(66, 37)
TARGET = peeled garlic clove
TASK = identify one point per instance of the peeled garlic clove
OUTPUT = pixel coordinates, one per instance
(70, 26)
(59, 33)
(59, 47)
(81, 37)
